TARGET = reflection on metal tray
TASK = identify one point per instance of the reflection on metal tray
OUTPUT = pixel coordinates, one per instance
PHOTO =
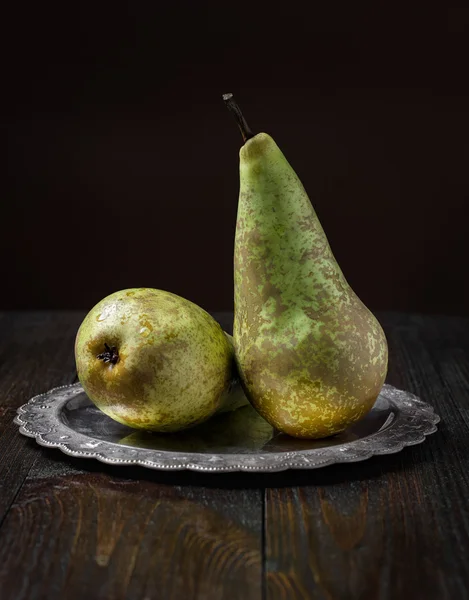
(238, 441)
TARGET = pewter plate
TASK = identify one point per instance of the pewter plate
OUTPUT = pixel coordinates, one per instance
(238, 441)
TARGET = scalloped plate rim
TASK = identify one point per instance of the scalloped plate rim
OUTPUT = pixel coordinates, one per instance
(284, 462)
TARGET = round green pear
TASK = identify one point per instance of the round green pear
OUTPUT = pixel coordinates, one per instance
(152, 360)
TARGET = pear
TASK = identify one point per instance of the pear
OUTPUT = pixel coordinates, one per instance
(152, 360)
(311, 356)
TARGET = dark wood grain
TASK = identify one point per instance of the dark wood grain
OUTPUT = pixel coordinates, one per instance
(98, 536)
(79, 529)
(36, 354)
(392, 526)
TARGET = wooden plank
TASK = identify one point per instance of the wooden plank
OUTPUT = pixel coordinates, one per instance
(36, 354)
(79, 528)
(82, 529)
(388, 527)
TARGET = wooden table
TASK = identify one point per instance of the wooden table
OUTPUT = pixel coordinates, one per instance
(387, 528)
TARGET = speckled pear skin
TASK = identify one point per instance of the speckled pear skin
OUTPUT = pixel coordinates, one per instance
(176, 365)
(311, 356)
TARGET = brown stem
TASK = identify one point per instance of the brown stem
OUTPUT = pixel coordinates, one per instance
(238, 115)
(110, 355)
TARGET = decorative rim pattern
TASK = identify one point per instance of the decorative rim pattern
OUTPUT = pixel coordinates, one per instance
(409, 422)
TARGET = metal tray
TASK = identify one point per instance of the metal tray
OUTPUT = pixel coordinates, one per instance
(239, 441)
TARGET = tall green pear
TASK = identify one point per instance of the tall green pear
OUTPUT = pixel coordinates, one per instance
(312, 357)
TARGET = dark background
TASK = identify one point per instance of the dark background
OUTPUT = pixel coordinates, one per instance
(123, 162)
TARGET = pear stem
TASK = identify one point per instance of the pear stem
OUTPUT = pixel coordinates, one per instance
(110, 355)
(233, 107)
